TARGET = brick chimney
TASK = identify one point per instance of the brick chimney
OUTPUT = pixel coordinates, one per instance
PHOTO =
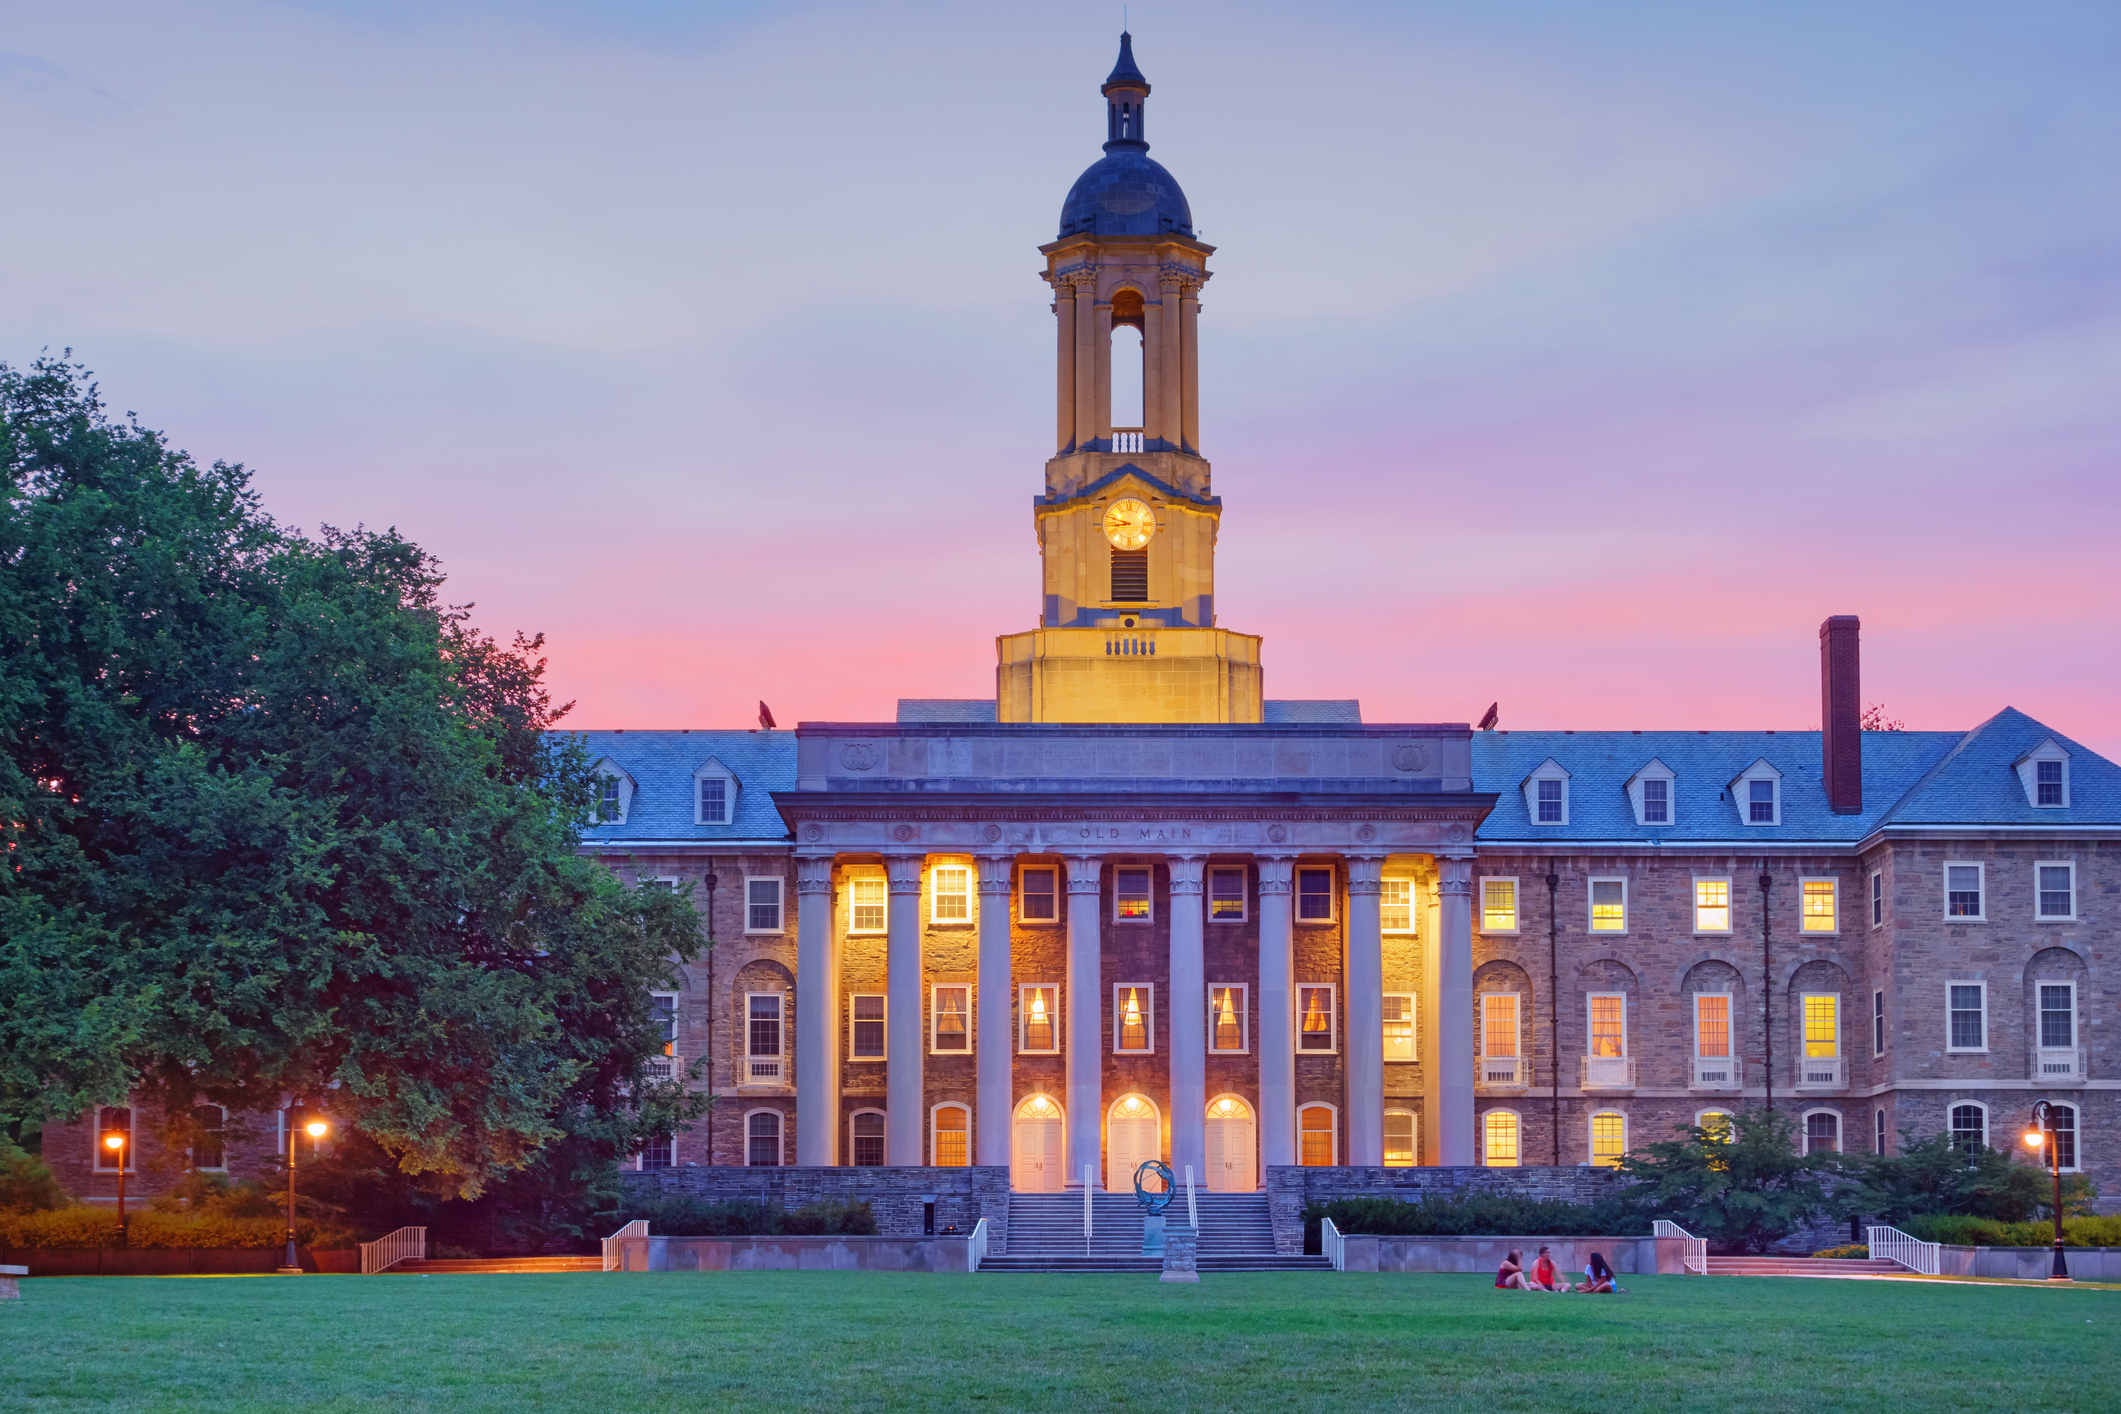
(1840, 715)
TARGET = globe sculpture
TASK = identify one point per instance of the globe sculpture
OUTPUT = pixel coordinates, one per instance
(1153, 1205)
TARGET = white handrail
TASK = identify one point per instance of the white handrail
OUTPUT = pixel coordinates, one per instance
(407, 1244)
(1695, 1258)
(637, 1228)
(1909, 1251)
(977, 1251)
(1087, 1191)
(1192, 1211)
(1333, 1244)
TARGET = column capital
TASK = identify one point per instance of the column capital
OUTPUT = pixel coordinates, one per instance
(1083, 872)
(1275, 872)
(1186, 872)
(904, 871)
(994, 872)
(1366, 873)
(1455, 876)
(813, 873)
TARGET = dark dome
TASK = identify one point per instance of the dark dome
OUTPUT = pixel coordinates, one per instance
(1125, 194)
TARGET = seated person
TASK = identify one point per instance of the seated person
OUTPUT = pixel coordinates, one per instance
(1544, 1275)
(1510, 1274)
(1598, 1276)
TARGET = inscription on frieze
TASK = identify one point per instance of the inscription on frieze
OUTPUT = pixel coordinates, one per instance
(1175, 834)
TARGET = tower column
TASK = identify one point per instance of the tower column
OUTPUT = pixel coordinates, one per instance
(1366, 1016)
(1085, 1013)
(991, 1120)
(817, 1009)
(1171, 339)
(1189, 1013)
(1152, 382)
(906, 1121)
(1454, 1020)
(1277, 1015)
(1103, 327)
(1064, 375)
(1189, 363)
(1084, 282)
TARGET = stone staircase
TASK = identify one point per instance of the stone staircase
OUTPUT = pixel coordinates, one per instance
(484, 1265)
(1802, 1267)
(1046, 1235)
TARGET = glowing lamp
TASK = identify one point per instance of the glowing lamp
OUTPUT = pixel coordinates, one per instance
(113, 1141)
(316, 1129)
(2032, 1138)
(1038, 1006)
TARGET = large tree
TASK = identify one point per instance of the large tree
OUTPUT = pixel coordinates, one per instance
(280, 822)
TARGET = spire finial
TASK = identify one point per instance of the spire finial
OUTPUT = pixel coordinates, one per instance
(1124, 90)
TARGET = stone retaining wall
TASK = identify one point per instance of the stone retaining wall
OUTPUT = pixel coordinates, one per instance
(1289, 1189)
(962, 1196)
(1482, 1255)
(788, 1254)
(2030, 1263)
(172, 1261)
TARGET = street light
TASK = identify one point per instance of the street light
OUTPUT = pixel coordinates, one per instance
(114, 1140)
(2042, 1136)
(315, 1129)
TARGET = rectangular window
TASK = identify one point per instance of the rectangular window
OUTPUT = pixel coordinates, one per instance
(762, 905)
(1822, 1024)
(1550, 802)
(1878, 1023)
(1317, 1134)
(209, 1123)
(950, 1016)
(1038, 1016)
(1499, 1139)
(763, 1035)
(1609, 1139)
(1877, 899)
(1133, 1018)
(608, 800)
(867, 1042)
(663, 1016)
(1396, 905)
(1399, 1139)
(1760, 802)
(2058, 890)
(714, 800)
(1968, 1005)
(1962, 890)
(1226, 1019)
(1712, 1026)
(2047, 782)
(660, 1152)
(1314, 895)
(2058, 1016)
(1817, 912)
(866, 903)
(1498, 1025)
(1317, 1029)
(1226, 895)
(1498, 905)
(1399, 1027)
(953, 1136)
(1130, 894)
(1609, 905)
(2063, 1118)
(868, 1140)
(951, 894)
(1609, 1023)
(1712, 905)
(1656, 801)
(1040, 899)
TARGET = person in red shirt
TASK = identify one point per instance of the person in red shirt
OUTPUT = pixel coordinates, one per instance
(1544, 1276)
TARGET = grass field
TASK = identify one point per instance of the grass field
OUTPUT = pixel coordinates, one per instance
(1256, 1341)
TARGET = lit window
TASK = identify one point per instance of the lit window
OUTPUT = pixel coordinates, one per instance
(1878, 1023)
(1715, 1124)
(1967, 1003)
(1133, 1017)
(1226, 895)
(1314, 895)
(1962, 890)
(1315, 1125)
(1969, 1128)
(1226, 1019)
(2058, 890)
(952, 894)
(1609, 905)
(1760, 801)
(714, 800)
(1396, 905)
(762, 1132)
(1609, 1138)
(763, 1035)
(1822, 1024)
(1712, 1026)
(1498, 1025)
(2058, 1016)
(868, 1139)
(1656, 801)
(762, 901)
(1130, 895)
(865, 903)
(1712, 905)
(1498, 905)
(1822, 1132)
(1877, 900)
(1498, 1132)
(1039, 1010)
(1315, 1027)
(867, 1042)
(209, 1129)
(953, 1136)
(1550, 802)
(2064, 1120)
(663, 1020)
(1817, 906)
(953, 1029)
(1399, 1026)
(1041, 895)
(2047, 782)
(1399, 1139)
(1609, 1024)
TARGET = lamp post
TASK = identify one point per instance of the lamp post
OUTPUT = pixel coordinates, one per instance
(2042, 1136)
(114, 1140)
(315, 1129)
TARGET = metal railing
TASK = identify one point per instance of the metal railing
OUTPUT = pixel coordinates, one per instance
(407, 1244)
(1695, 1259)
(1820, 1073)
(637, 1228)
(1716, 1073)
(1910, 1252)
(1608, 1072)
(1502, 1070)
(976, 1252)
(2055, 1065)
(1333, 1244)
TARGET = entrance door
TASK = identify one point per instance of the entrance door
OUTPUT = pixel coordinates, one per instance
(1133, 1136)
(1230, 1147)
(1035, 1158)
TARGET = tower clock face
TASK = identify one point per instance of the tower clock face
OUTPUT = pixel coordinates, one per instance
(1129, 524)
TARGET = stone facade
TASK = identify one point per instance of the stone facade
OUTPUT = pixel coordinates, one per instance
(898, 1196)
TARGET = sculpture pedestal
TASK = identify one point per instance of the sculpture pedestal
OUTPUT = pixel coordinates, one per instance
(1181, 1255)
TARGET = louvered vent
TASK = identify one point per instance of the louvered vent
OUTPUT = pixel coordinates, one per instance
(1130, 576)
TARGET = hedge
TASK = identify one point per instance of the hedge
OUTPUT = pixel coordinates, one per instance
(1476, 1215)
(681, 1216)
(82, 1227)
(1959, 1231)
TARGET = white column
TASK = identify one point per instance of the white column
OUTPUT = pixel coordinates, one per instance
(991, 1120)
(1085, 356)
(1064, 319)
(1366, 1016)
(1086, 1018)
(1454, 1014)
(817, 1015)
(1189, 363)
(906, 1041)
(1189, 1020)
(1277, 1016)
(1171, 403)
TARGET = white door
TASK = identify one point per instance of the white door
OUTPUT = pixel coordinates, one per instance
(1035, 1160)
(1132, 1138)
(1230, 1154)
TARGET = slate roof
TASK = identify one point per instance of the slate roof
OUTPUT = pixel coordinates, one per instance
(661, 764)
(1977, 783)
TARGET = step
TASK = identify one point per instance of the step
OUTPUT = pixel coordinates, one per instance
(1800, 1266)
(492, 1265)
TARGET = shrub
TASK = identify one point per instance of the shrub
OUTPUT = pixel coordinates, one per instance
(26, 1185)
(60, 1227)
(1958, 1230)
(681, 1216)
(850, 1218)
(1476, 1215)
(1846, 1250)
(1746, 1186)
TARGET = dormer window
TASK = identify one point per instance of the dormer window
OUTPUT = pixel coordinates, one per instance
(1546, 794)
(2044, 772)
(611, 796)
(1650, 792)
(1757, 792)
(714, 789)
(1760, 802)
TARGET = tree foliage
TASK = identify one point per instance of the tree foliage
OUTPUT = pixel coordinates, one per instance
(280, 822)
(1936, 1176)
(1742, 1186)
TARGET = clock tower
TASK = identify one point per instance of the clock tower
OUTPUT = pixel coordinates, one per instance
(1128, 519)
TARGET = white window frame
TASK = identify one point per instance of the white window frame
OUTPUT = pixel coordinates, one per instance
(1296, 895)
(1413, 1001)
(2038, 916)
(780, 904)
(1244, 1018)
(1730, 905)
(1730, 1026)
(936, 895)
(1949, 1048)
(1655, 770)
(935, 1016)
(1244, 886)
(1804, 1127)
(1148, 1018)
(1701, 1115)
(608, 769)
(1590, 1135)
(780, 1055)
(1590, 905)
(1480, 1037)
(1588, 998)
(781, 1123)
(1878, 1130)
(221, 1167)
(713, 770)
(852, 1138)
(2076, 1130)
(1878, 1031)
(935, 1129)
(859, 877)
(1547, 770)
(1952, 918)
(1833, 892)
(1148, 895)
(1391, 881)
(1517, 1120)
(2028, 770)
(1333, 1160)
(670, 1043)
(1877, 898)
(1332, 991)
(1480, 905)
(1023, 1019)
(1023, 874)
(130, 1158)
(885, 1022)
(670, 1142)
(1413, 1132)
(1951, 1105)
(1840, 1045)
(2076, 1017)
(1741, 793)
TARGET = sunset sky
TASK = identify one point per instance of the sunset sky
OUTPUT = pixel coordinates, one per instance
(1580, 357)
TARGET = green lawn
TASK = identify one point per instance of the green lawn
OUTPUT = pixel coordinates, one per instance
(1257, 1341)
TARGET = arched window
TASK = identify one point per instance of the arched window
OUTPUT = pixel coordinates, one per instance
(2064, 1120)
(953, 1136)
(1969, 1128)
(1715, 1123)
(762, 1139)
(868, 1139)
(1878, 1122)
(1609, 1138)
(1400, 1144)
(1822, 1132)
(1315, 1129)
(1498, 1136)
